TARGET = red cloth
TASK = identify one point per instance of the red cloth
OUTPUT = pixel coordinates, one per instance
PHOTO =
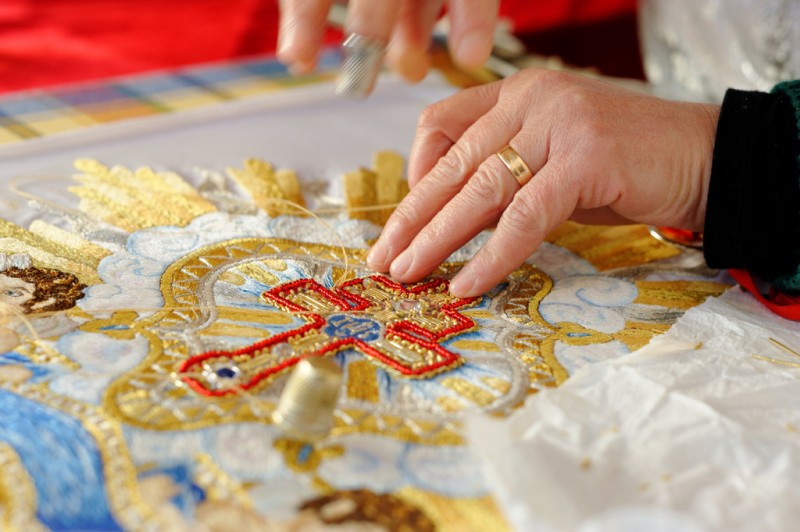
(784, 305)
(46, 42)
(536, 15)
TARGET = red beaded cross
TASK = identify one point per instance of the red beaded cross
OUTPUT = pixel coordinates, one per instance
(399, 327)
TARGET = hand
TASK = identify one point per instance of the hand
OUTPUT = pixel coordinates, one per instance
(599, 154)
(406, 25)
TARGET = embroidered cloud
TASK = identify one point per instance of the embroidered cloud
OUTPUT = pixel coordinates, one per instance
(592, 301)
(102, 359)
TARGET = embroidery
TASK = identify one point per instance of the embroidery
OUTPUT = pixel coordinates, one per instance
(399, 327)
(196, 302)
(169, 403)
(362, 506)
(34, 289)
(17, 493)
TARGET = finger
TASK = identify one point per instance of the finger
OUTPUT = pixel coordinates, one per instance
(373, 19)
(443, 123)
(482, 139)
(538, 208)
(408, 51)
(301, 31)
(480, 203)
(472, 25)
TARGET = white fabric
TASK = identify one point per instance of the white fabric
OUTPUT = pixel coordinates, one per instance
(688, 433)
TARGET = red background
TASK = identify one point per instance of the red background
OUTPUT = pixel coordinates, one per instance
(46, 42)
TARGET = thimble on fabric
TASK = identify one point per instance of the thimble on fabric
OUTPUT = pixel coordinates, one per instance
(362, 64)
(305, 408)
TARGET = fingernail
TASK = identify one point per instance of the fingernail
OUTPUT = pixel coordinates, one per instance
(462, 286)
(402, 264)
(376, 258)
(413, 66)
(473, 50)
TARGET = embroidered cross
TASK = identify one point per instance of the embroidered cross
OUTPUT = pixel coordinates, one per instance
(399, 327)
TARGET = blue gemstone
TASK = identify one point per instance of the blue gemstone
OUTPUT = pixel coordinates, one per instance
(226, 373)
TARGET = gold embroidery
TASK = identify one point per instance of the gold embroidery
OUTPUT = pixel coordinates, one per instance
(450, 404)
(217, 484)
(502, 386)
(17, 494)
(677, 294)
(91, 254)
(40, 352)
(637, 334)
(137, 200)
(475, 345)
(390, 186)
(609, 247)
(303, 457)
(274, 192)
(361, 381)
(359, 187)
(120, 326)
(456, 515)
(382, 185)
(469, 391)
(48, 252)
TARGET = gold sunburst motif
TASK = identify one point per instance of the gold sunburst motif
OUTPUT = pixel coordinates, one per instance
(133, 200)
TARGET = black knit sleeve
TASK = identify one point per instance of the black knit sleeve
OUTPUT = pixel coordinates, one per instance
(753, 213)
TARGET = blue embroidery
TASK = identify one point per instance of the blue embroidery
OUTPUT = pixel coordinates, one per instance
(358, 327)
(63, 460)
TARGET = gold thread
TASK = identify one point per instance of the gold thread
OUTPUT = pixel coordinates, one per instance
(784, 347)
(18, 497)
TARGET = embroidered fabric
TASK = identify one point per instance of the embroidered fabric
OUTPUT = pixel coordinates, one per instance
(696, 49)
(186, 333)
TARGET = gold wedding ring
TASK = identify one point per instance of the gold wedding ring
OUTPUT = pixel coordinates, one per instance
(515, 164)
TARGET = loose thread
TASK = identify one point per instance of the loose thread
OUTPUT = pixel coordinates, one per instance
(776, 361)
(7, 309)
(13, 186)
(784, 347)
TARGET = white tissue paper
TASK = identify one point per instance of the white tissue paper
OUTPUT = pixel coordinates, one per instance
(689, 433)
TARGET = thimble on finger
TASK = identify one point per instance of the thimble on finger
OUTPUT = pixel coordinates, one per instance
(362, 63)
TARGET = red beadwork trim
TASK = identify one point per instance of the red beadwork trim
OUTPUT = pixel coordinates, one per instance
(345, 300)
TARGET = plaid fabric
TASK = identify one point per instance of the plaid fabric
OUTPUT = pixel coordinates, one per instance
(41, 113)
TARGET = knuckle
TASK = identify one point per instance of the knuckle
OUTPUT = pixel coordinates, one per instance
(407, 213)
(518, 217)
(454, 166)
(488, 188)
(431, 116)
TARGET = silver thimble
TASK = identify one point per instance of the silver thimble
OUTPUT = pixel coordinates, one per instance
(305, 408)
(362, 64)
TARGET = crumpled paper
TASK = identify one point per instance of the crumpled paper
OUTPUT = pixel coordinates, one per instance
(691, 432)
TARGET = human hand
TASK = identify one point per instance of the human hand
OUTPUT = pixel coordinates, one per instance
(406, 25)
(599, 154)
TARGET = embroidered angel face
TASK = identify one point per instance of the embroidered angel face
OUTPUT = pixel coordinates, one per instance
(16, 292)
(33, 290)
